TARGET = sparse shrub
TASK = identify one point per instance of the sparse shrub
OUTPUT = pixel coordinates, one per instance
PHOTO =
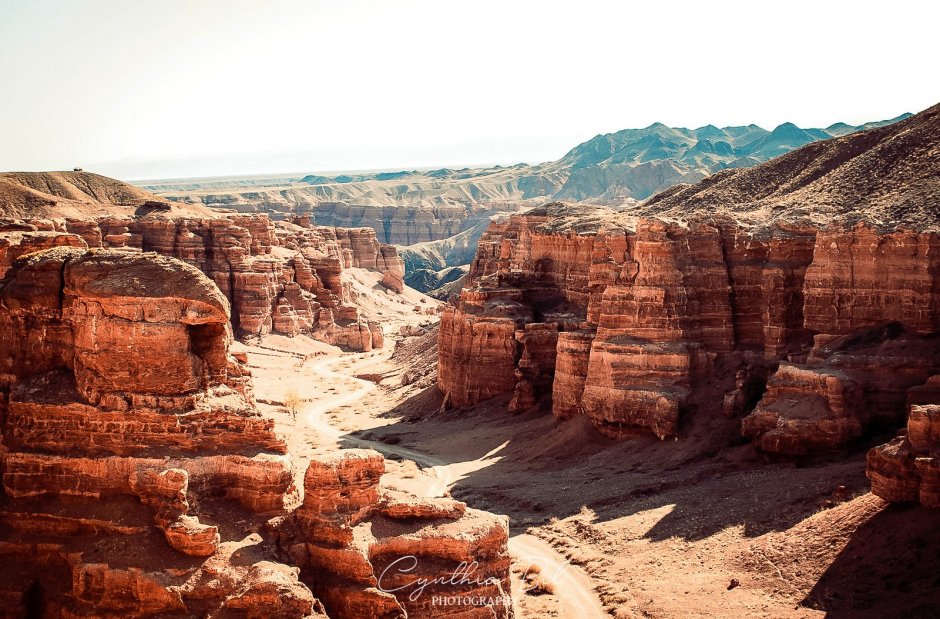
(539, 584)
(292, 402)
(533, 568)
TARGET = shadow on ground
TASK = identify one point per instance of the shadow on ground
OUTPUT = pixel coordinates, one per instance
(889, 568)
(551, 468)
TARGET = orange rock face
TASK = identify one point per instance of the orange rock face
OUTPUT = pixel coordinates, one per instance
(806, 409)
(139, 479)
(646, 311)
(478, 348)
(860, 277)
(907, 469)
(572, 356)
(393, 556)
(282, 278)
(120, 398)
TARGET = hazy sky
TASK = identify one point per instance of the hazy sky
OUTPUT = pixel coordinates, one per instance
(174, 88)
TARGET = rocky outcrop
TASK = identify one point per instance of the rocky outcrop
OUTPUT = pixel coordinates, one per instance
(281, 278)
(15, 243)
(139, 479)
(371, 551)
(860, 277)
(113, 358)
(643, 312)
(572, 356)
(478, 348)
(854, 382)
(806, 409)
(692, 299)
(907, 469)
(122, 404)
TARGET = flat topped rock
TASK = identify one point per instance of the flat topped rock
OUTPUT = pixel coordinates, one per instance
(401, 506)
(108, 274)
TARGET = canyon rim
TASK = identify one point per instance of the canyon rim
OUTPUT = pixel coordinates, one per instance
(284, 351)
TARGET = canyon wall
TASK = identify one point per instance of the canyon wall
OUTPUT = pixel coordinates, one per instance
(404, 225)
(632, 322)
(398, 224)
(121, 403)
(139, 479)
(907, 469)
(283, 277)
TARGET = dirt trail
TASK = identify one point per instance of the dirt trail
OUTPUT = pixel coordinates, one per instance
(578, 597)
(440, 476)
(577, 590)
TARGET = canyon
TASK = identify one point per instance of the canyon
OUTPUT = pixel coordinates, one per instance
(140, 477)
(446, 209)
(720, 399)
(250, 370)
(281, 277)
(815, 328)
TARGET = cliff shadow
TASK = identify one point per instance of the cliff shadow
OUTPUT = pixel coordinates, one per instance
(889, 568)
(538, 467)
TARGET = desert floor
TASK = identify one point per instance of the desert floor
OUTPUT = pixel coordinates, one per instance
(641, 528)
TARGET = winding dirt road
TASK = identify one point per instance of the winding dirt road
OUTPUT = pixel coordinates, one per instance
(575, 588)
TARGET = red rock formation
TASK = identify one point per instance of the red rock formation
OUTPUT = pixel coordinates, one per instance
(369, 551)
(118, 386)
(743, 271)
(907, 469)
(860, 277)
(536, 367)
(571, 366)
(15, 243)
(844, 387)
(805, 409)
(126, 422)
(645, 314)
(284, 279)
(478, 346)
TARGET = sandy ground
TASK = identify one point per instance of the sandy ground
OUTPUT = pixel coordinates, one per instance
(337, 405)
(640, 528)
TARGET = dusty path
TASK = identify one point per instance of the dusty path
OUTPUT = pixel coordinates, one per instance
(576, 588)
(577, 596)
(440, 475)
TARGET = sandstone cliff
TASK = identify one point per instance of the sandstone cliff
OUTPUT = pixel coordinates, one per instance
(284, 277)
(139, 479)
(118, 383)
(731, 297)
(369, 548)
(907, 469)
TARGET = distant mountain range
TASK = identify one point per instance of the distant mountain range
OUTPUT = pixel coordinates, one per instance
(613, 169)
(632, 164)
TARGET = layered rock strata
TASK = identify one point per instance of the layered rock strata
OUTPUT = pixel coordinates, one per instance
(118, 385)
(642, 313)
(139, 479)
(284, 278)
(375, 554)
(907, 469)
